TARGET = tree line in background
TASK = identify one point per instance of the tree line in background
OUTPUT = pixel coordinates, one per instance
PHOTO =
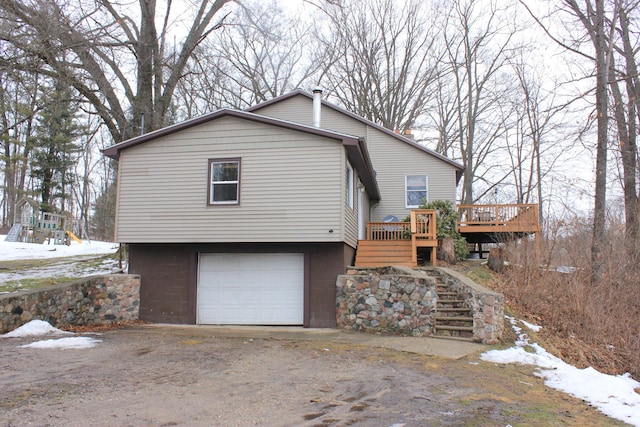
(515, 94)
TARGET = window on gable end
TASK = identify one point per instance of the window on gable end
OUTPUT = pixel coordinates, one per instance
(224, 182)
(415, 190)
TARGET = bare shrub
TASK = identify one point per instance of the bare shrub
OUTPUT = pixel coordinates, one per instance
(596, 325)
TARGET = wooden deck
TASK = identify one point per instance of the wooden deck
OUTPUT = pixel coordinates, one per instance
(397, 243)
(497, 223)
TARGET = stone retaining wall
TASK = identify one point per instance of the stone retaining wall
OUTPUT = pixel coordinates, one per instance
(92, 301)
(403, 301)
(487, 306)
(386, 300)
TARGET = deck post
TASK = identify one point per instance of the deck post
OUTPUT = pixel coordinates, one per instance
(414, 247)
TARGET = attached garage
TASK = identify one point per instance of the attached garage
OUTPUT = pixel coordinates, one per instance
(250, 289)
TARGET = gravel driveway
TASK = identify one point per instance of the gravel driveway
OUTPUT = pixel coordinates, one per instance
(157, 376)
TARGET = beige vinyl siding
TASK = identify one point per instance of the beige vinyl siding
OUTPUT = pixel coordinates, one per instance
(350, 214)
(289, 186)
(299, 109)
(392, 158)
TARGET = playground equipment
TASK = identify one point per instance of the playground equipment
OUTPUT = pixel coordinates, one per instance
(31, 225)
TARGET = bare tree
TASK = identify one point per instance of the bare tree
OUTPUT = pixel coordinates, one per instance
(384, 59)
(259, 54)
(19, 105)
(126, 71)
(597, 19)
(625, 90)
(478, 43)
(536, 112)
(592, 16)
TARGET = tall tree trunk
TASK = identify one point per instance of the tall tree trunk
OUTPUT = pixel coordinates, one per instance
(602, 103)
(628, 144)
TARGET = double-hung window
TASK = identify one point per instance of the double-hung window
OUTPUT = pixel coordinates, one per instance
(224, 182)
(415, 190)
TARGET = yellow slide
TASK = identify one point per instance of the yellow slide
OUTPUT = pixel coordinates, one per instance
(73, 236)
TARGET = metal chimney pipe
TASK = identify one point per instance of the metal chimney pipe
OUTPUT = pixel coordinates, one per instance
(317, 103)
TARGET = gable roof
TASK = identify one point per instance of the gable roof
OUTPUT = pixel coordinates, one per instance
(300, 92)
(355, 146)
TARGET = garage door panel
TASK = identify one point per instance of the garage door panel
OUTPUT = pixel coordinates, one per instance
(251, 289)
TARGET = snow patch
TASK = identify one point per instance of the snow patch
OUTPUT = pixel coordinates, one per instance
(615, 396)
(34, 328)
(65, 343)
(19, 250)
(531, 326)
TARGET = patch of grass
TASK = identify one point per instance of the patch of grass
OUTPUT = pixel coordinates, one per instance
(31, 264)
(66, 265)
(30, 284)
(25, 264)
(515, 393)
(481, 275)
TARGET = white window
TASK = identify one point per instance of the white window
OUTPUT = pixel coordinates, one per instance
(415, 187)
(349, 184)
(224, 182)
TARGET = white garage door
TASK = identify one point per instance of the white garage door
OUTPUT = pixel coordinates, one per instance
(251, 289)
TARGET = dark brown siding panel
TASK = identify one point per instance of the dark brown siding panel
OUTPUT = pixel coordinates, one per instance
(169, 274)
(326, 263)
(349, 256)
(167, 287)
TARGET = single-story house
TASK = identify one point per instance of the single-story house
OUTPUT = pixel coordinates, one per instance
(248, 217)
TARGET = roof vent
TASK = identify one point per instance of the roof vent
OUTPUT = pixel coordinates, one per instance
(317, 103)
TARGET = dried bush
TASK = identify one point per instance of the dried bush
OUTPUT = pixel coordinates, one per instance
(597, 325)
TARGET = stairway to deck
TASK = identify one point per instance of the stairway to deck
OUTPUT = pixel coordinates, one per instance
(379, 253)
(454, 318)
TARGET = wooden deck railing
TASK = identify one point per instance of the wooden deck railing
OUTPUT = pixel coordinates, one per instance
(423, 233)
(421, 230)
(477, 221)
(503, 217)
(422, 226)
(388, 231)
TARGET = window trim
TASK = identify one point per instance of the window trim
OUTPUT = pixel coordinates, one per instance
(426, 190)
(210, 183)
(350, 184)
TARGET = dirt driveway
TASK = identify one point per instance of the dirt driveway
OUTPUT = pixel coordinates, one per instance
(156, 376)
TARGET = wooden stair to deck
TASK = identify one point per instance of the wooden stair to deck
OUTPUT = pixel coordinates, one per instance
(378, 253)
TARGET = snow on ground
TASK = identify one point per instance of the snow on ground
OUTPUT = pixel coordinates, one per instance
(65, 343)
(37, 328)
(67, 261)
(19, 250)
(34, 328)
(63, 268)
(531, 326)
(615, 396)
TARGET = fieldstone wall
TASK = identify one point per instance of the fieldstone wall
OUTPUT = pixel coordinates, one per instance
(386, 300)
(403, 301)
(487, 306)
(91, 301)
